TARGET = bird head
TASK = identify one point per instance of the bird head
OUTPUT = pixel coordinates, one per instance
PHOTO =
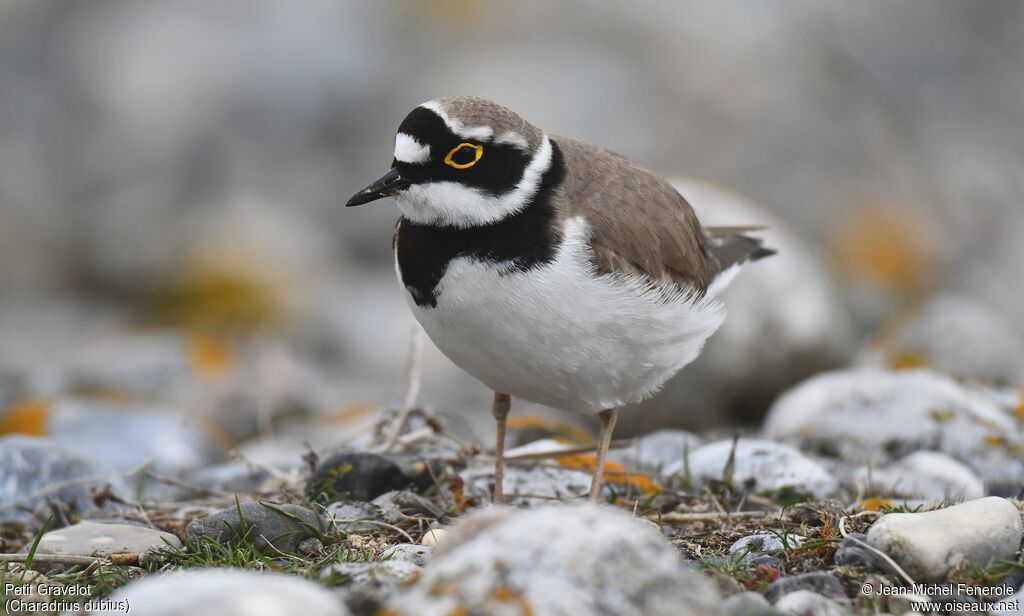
(462, 162)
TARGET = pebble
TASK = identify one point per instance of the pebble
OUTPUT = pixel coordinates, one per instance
(92, 539)
(756, 548)
(390, 572)
(29, 465)
(929, 544)
(225, 592)
(852, 554)
(581, 559)
(820, 583)
(355, 516)
(411, 552)
(748, 604)
(807, 603)
(266, 526)
(356, 476)
(527, 485)
(928, 476)
(870, 416)
(759, 465)
(433, 537)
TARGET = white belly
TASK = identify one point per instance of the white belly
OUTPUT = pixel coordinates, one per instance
(560, 335)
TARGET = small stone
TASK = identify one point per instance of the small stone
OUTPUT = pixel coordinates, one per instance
(411, 552)
(356, 476)
(224, 592)
(355, 516)
(823, 584)
(263, 524)
(924, 475)
(92, 539)
(527, 485)
(929, 544)
(396, 506)
(849, 553)
(759, 465)
(807, 603)
(433, 537)
(398, 571)
(580, 559)
(759, 543)
(748, 604)
(30, 465)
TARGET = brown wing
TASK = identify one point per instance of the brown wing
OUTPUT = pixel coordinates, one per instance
(657, 234)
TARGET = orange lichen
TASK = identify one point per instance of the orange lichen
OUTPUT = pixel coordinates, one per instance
(504, 594)
(613, 472)
(994, 441)
(1019, 411)
(210, 358)
(26, 417)
(941, 416)
(908, 360)
(560, 430)
(875, 504)
(885, 245)
(349, 414)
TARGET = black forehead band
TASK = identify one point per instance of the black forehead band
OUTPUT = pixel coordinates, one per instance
(428, 128)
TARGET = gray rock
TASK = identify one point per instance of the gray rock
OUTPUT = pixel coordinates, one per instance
(398, 505)
(807, 603)
(823, 584)
(30, 465)
(929, 544)
(355, 516)
(391, 573)
(759, 465)
(748, 604)
(756, 547)
(657, 450)
(927, 476)
(414, 553)
(125, 435)
(852, 554)
(580, 559)
(92, 539)
(874, 416)
(225, 592)
(261, 523)
(527, 485)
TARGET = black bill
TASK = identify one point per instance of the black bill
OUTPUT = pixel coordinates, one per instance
(386, 186)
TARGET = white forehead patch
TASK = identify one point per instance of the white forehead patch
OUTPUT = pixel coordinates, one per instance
(480, 133)
(513, 138)
(408, 150)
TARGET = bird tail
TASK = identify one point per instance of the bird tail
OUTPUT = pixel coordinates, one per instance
(732, 247)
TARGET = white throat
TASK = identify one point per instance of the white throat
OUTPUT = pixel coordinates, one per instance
(457, 205)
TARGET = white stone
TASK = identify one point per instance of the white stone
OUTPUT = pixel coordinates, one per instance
(874, 416)
(763, 466)
(929, 544)
(807, 603)
(925, 475)
(226, 592)
(93, 539)
(580, 559)
(410, 552)
(433, 537)
(655, 451)
(527, 485)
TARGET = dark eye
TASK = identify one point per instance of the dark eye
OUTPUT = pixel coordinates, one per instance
(464, 155)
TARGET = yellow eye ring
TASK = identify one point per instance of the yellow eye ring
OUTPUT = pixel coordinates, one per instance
(479, 149)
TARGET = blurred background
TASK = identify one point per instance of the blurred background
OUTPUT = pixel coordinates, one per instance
(173, 242)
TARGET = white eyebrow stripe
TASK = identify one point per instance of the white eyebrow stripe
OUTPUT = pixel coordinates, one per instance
(514, 139)
(480, 133)
(409, 150)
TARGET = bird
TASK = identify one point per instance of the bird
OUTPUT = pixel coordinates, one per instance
(552, 270)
